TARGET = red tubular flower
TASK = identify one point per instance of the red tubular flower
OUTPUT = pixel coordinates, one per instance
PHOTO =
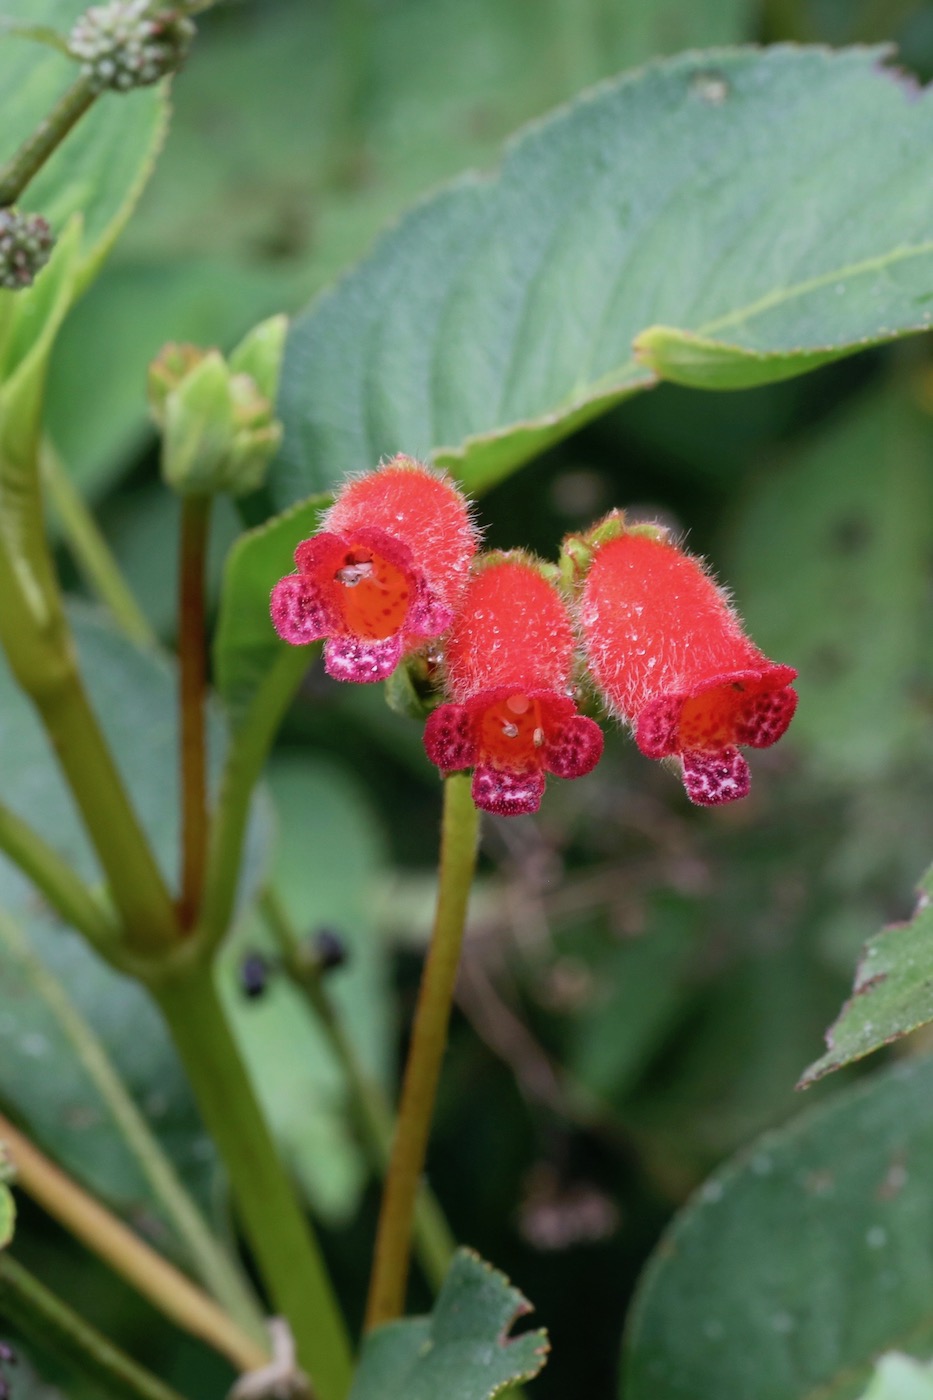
(665, 647)
(383, 575)
(509, 660)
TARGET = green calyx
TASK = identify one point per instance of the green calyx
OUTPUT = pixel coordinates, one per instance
(217, 415)
(576, 552)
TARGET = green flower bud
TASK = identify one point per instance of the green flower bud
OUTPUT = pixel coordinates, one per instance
(127, 43)
(26, 243)
(218, 416)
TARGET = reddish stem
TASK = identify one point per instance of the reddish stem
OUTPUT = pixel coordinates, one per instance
(195, 521)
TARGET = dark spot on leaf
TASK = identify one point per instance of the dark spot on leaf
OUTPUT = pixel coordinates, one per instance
(851, 535)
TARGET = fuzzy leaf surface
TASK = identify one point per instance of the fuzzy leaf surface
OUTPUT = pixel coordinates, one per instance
(800, 1262)
(721, 219)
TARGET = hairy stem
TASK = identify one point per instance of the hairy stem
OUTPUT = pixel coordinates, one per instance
(47, 137)
(41, 1316)
(429, 1039)
(90, 550)
(195, 526)
(135, 1261)
(279, 1234)
(433, 1239)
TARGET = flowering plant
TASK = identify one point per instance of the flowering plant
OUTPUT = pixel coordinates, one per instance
(210, 1057)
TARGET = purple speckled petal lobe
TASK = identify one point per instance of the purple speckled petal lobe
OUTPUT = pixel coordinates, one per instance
(574, 748)
(449, 740)
(506, 793)
(656, 726)
(349, 659)
(713, 778)
(299, 613)
(428, 617)
(765, 717)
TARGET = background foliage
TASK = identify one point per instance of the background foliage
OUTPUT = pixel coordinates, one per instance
(645, 983)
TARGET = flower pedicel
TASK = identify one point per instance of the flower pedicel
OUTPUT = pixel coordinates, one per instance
(384, 573)
(668, 653)
(509, 660)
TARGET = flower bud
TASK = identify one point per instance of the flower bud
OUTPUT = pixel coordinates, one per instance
(383, 575)
(121, 45)
(26, 243)
(667, 651)
(509, 662)
(217, 416)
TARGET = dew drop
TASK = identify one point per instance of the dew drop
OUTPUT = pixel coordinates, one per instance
(710, 87)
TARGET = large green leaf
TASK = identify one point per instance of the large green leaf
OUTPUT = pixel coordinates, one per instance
(797, 1264)
(893, 991)
(43, 1081)
(831, 562)
(333, 119)
(899, 1377)
(327, 864)
(245, 643)
(100, 169)
(462, 1351)
(722, 219)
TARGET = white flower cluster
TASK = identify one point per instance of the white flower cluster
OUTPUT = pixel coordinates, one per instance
(122, 45)
(25, 245)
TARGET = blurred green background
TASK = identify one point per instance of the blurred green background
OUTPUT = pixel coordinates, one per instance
(644, 982)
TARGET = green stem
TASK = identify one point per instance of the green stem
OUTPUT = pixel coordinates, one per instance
(195, 526)
(246, 756)
(136, 884)
(91, 551)
(434, 1241)
(281, 1237)
(35, 635)
(67, 893)
(46, 1319)
(217, 1271)
(47, 137)
(429, 1039)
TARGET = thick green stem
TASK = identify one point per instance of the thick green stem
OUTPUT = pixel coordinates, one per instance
(249, 748)
(136, 884)
(67, 893)
(90, 550)
(46, 1319)
(279, 1234)
(195, 526)
(429, 1040)
(433, 1239)
(47, 137)
(37, 640)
